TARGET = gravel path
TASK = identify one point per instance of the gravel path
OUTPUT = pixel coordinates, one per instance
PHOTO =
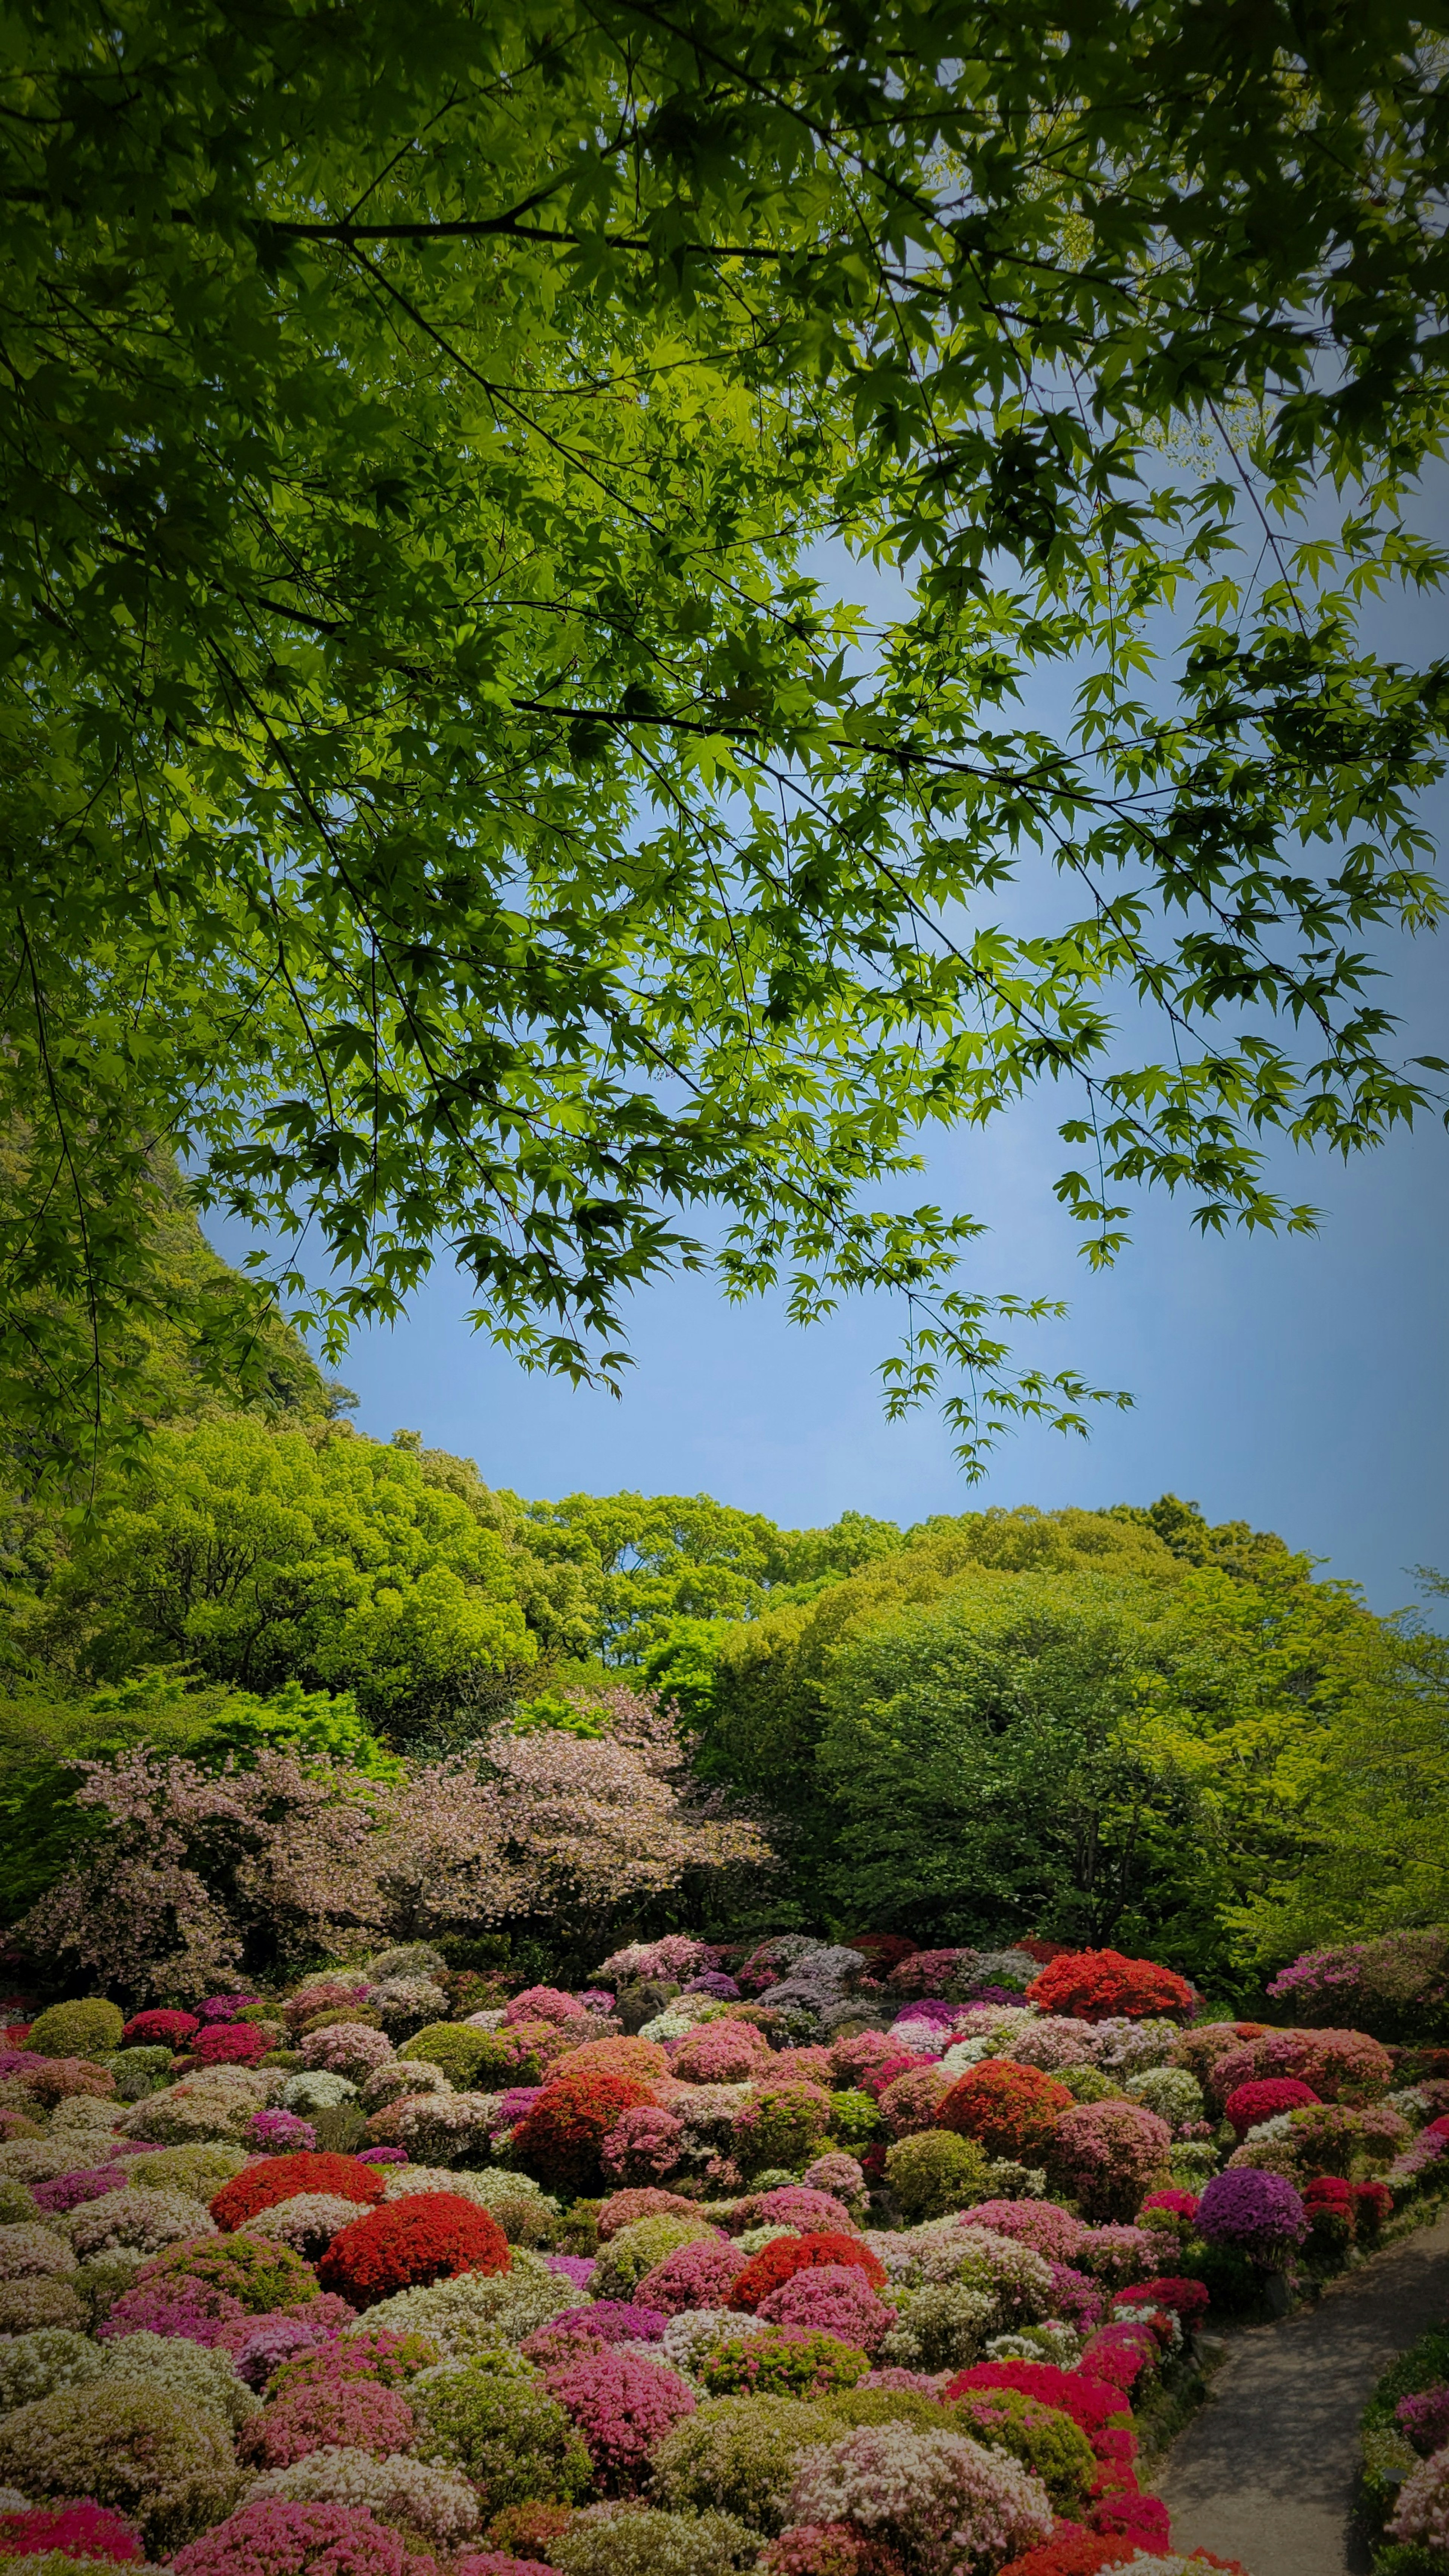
(1265, 2472)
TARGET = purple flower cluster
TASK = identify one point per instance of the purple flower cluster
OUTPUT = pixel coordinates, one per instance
(69, 2190)
(273, 2341)
(576, 2269)
(714, 1982)
(225, 2007)
(515, 2105)
(279, 2133)
(1258, 2214)
(1424, 2420)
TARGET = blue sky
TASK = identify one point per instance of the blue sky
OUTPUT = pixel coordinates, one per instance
(1298, 1383)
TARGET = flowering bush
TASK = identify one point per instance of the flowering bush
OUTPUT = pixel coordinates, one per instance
(351, 2048)
(159, 2029)
(230, 2043)
(840, 2177)
(1042, 2438)
(622, 2209)
(1263, 2099)
(503, 2430)
(1009, 2110)
(699, 2275)
(354, 2415)
(1101, 1985)
(1090, 2403)
(1257, 2214)
(559, 2139)
(738, 2455)
(1423, 2507)
(144, 2220)
(309, 2223)
(787, 2363)
(943, 2496)
(34, 2365)
(936, 2171)
(133, 2446)
(782, 2125)
(608, 2541)
(418, 2496)
(84, 2531)
(274, 2538)
(69, 2190)
(676, 1956)
(722, 2052)
(264, 2186)
(431, 2236)
(634, 2252)
(1336, 2064)
(1423, 2419)
(830, 2299)
(1109, 2153)
(617, 2055)
(28, 2252)
(1396, 1986)
(280, 2133)
(1049, 2231)
(911, 2101)
(1188, 2299)
(642, 2145)
(622, 2408)
(779, 2261)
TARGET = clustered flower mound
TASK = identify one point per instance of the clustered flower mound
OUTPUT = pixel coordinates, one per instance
(561, 2136)
(1257, 2214)
(274, 2538)
(622, 2406)
(780, 2260)
(160, 2029)
(1108, 2153)
(941, 2497)
(1102, 1985)
(82, 2530)
(285, 2177)
(408, 2244)
(1010, 2110)
(1263, 2099)
(230, 2043)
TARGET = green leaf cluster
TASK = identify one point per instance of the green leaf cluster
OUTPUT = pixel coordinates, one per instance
(443, 804)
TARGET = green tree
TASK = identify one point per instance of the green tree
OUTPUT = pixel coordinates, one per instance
(260, 1557)
(439, 795)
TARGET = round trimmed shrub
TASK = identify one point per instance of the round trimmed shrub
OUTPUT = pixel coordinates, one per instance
(472, 2059)
(643, 2542)
(1103, 1985)
(780, 2260)
(230, 2043)
(393, 2360)
(52, 2080)
(32, 2252)
(789, 2364)
(350, 2415)
(26, 2305)
(35, 2365)
(275, 2538)
(935, 2172)
(782, 2126)
(642, 2145)
(1009, 2110)
(636, 2252)
(408, 2244)
(722, 2052)
(90, 2028)
(199, 2172)
(308, 2224)
(162, 2028)
(1263, 2099)
(622, 2407)
(420, 2497)
(67, 2536)
(559, 2138)
(506, 2432)
(476, 2310)
(350, 2048)
(944, 2499)
(829, 2299)
(1041, 2437)
(261, 2277)
(738, 2455)
(699, 2274)
(1257, 2214)
(144, 2220)
(266, 2184)
(132, 2445)
(187, 2369)
(1110, 2154)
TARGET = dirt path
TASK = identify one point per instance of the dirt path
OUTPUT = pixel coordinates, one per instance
(1265, 2473)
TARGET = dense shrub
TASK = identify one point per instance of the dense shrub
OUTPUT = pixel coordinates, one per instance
(697, 2275)
(642, 2145)
(723, 2052)
(623, 2407)
(352, 2415)
(91, 2028)
(1257, 2214)
(936, 2171)
(80, 2532)
(635, 2252)
(1109, 2154)
(1041, 2437)
(35, 2365)
(408, 2244)
(505, 2431)
(1009, 2110)
(132, 2446)
(471, 2058)
(779, 2261)
(641, 2543)
(1263, 2099)
(1102, 1985)
(782, 2126)
(560, 2137)
(161, 2028)
(911, 2101)
(737, 2455)
(945, 2499)
(274, 2538)
(262, 2277)
(791, 2363)
(264, 2186)
(237, 2043)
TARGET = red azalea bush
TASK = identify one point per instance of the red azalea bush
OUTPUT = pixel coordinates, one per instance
(1086, 2553)
(1089, 2402)
(349, 2415)
(622, 2408)
(162, 2028)
(1373, 2202)
(278, 2539)
(230, 2043)
(780, 2260)
(1102, 1985)
(277, 2178)
(1009, 2110)
(1141, 2520)
(1263, 2099)
(1108, 2154)
(81, 2530)
(559, 2138)
(1188, 2299)
(430, 2236)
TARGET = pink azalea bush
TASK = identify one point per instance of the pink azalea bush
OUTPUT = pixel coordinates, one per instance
(276, 2538)
(830, 2300)
(622, 2408)
(946, 2499)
